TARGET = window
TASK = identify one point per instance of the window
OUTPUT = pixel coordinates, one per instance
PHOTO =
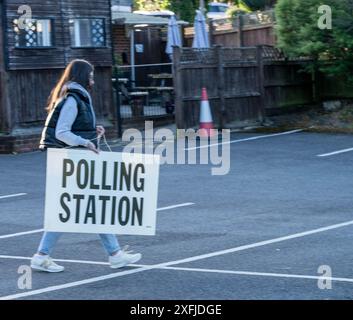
(33, 33)
(87, 32)
(217, 9)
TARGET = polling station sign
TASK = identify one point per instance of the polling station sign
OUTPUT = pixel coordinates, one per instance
(107, 193)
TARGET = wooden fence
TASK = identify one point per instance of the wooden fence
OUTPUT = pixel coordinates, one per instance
(243, 31)
(242, 83)
(29, 90)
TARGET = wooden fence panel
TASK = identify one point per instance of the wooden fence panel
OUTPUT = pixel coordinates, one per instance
(259, 35)
(331, 87)
(28, 101)
(286, 85)
(242, 31)
(231, 77)
(242, 84)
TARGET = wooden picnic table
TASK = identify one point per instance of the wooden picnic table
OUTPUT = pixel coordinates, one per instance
(161, 76)
(137, 105)
(161, 88)
(121, 80)
(160, 79)
(166, 94)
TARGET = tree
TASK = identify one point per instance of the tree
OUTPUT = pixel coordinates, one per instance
(299, 33)
(185, 10)
(151, 5)
(253, 5)
(258, 4)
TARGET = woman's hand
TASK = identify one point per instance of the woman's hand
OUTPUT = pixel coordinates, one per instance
(100, 131)
(92, 147)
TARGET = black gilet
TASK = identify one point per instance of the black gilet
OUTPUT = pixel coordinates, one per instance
(83, 125)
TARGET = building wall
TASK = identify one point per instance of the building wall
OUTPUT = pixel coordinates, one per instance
(121, 43)
(35, 58)
(89, 9)
(31, 73)
(61, 52)
(4, 103)
(122, 2)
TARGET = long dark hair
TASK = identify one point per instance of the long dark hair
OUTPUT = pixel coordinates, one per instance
(78, 70)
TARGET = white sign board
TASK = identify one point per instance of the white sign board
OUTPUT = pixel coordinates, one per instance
(139, 48)
(107, 193)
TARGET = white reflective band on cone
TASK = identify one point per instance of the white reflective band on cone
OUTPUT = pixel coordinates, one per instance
(205, 114)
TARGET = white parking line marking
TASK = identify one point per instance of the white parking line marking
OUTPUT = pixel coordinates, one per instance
(247, 139)
(202, 270)
(75, 283)
(260, 274)
(261, 243)
(60, 260)
(70, 261)
(175, 262)
(41, 230)
(335, 152)
(20, 233)
(13, 195)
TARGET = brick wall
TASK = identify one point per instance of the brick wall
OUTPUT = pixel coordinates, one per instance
(23, 142)
(19, 144)
(120, 41)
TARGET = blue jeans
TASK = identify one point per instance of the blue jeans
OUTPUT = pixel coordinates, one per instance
(49, 239)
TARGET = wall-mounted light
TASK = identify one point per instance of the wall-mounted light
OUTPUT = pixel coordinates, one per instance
(140, 25)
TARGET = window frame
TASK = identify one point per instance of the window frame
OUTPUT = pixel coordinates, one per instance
(52, 37)
(105, 46)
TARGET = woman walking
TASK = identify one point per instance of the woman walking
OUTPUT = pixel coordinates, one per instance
(71, 122)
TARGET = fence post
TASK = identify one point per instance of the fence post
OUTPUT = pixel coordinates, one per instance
(5, 106)
(118, 102)
(316, 84)
(220, 85)
(211, 32)
(178, 91)
(261, 81)
(239, 26)
(183, 39)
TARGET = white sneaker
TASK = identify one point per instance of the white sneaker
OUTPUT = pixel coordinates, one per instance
(45, 263)
(124, 258)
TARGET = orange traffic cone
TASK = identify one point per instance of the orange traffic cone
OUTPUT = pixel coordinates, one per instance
(206, 122)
